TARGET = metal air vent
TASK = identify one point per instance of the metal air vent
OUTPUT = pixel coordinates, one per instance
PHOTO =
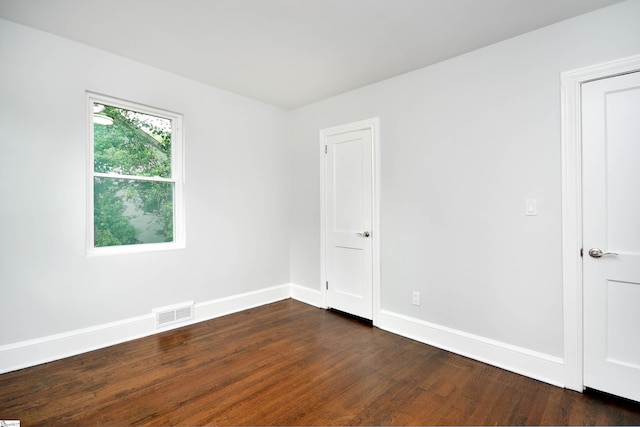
(170, 315)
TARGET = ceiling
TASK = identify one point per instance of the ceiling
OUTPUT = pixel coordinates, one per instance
(289, 53)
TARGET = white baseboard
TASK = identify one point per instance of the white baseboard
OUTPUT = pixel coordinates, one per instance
(540, 366)
(42, 350)
(543, 367)
(307, 295)
(235, 303)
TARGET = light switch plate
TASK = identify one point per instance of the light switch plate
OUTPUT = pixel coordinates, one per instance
(415, 298)
(531, 207)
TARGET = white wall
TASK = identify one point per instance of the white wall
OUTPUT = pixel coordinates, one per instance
(463, 144)
(235, 192)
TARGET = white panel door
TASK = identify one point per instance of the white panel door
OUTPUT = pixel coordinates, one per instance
(349, 220)
(611, 234)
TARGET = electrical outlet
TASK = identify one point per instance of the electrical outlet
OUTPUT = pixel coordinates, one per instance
(415, 298)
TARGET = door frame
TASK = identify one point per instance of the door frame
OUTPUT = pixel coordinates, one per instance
(572, 279)
(372, 124)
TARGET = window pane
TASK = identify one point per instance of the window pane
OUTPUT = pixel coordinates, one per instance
(131, 143)
(129, 212)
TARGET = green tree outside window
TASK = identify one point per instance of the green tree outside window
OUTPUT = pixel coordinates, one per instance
(132, 186)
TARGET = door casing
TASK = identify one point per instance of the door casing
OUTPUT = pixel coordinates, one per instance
(572, 278)
(374, 125)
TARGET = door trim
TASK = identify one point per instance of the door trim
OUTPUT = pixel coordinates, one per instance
(372, 124)
(571, 143)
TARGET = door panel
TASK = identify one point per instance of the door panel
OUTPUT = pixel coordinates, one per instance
(622, 310)
(611, 223)
(349, 256)
(623, 169)
(348, 279)
(347, 183)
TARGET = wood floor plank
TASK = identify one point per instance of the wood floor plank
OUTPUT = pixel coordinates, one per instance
(290, 364)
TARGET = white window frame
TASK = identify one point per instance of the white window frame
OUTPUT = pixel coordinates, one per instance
(177, 178)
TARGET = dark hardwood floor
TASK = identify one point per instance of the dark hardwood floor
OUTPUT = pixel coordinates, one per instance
(288, 363)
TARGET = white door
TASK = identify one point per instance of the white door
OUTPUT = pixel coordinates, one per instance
(611, 234)
(349, 232)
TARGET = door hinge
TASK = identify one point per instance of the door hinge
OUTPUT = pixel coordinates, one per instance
(581, 252)
(325, 149)
(326, 285)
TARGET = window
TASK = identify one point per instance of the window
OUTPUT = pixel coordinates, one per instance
(135, 178)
